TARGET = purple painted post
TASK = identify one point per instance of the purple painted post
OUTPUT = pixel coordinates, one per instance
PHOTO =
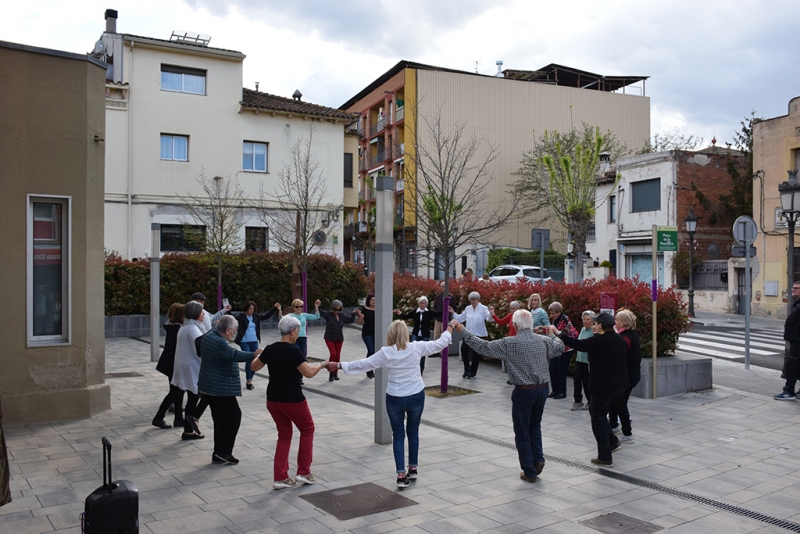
(446, 350)
(219, 296)
(304, 277)
(654, 286)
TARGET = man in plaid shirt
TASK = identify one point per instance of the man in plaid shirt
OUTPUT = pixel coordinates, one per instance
(526, 356)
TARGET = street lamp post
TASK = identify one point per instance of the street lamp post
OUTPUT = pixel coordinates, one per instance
(790, 205)
(691, 228)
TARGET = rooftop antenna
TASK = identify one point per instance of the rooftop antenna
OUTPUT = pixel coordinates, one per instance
(477, 63)
(499, 69)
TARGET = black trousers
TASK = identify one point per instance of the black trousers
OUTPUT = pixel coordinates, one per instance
(791, 367)
(227, 417)
(581, 380)
(619, 409)
(558, 372)
(467, 354)
(598, 410)
(175, 396)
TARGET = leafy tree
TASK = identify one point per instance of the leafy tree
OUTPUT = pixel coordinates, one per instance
(296, 209)
(217, 209)
(671, 140)
(739, 164)
(558, 178)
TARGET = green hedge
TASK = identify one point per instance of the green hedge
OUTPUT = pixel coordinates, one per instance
(501, 256)
(264, 277)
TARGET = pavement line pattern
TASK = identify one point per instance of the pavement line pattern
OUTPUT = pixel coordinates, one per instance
(737, 510)
(738, 339)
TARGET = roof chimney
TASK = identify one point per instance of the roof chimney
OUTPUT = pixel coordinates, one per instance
(256, 86)
(297, 95)
(499, 69)
(111, 21)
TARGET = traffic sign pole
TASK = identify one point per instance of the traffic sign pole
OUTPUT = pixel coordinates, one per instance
(745, 231)
(654, 296)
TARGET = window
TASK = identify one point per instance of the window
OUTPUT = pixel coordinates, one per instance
(612, 209)
(348, 170)
(174, 147)
(183, 80)
(646, 195)
(254, 157)
(182, 237)
(48, 265)
(256, 238)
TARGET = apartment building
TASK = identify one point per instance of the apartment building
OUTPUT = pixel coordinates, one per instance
(175, 110)
(508, 110)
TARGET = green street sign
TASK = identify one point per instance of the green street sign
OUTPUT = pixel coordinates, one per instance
(667, 238)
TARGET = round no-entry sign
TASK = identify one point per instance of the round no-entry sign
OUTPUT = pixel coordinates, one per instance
(745, 230)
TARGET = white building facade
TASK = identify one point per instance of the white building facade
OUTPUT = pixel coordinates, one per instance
(175, 110)
(643, 197)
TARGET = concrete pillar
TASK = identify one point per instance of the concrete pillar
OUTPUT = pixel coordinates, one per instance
(384, 271)
(155, 291)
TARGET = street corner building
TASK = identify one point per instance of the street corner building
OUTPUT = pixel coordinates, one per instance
(52, 130)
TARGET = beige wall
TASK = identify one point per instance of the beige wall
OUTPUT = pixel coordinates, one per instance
(216, 127)
(51, 110)
(776, 143)
(511, 114)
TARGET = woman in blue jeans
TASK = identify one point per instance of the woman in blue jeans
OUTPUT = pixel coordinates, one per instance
(405, 393)
(248, 335)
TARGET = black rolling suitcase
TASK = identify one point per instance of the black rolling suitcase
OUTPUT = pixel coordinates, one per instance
(113, 508)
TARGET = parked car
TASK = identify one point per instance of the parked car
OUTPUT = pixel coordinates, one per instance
(512, 273)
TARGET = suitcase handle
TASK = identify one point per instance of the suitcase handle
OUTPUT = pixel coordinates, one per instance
(107, 462)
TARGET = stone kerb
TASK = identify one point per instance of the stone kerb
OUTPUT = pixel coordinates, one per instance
(677, 374)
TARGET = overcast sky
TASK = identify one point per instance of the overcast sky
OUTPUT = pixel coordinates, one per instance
(710, 63)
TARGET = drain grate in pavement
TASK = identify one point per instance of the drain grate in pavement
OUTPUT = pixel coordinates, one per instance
(128, 374)
(617, 523)
(357, 501)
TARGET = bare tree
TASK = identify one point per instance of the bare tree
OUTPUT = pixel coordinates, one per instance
(671, 140)
(558, 178)
(218, 209)
(296, 209)
(452, 173)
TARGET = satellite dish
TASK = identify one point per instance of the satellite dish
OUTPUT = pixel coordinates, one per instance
(319, 237)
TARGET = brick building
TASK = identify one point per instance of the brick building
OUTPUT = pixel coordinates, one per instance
(659, 189)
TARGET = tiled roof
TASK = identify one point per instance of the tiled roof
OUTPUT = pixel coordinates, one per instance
(258, 100)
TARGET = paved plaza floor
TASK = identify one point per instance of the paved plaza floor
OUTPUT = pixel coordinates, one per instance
(723, 460)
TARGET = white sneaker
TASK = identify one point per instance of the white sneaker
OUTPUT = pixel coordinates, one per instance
(626, 439)
(576, 406)
(306, 479)
(281, 484)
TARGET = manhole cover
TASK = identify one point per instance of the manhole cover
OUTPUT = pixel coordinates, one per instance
(617, 523)
(128, 374)
(357, 501)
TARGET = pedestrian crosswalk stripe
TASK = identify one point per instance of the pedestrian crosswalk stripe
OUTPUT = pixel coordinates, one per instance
(703, 343)
(698, 337)
(708, 352)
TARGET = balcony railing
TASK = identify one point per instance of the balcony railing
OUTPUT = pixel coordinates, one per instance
(381, 124)
(399, 114)
(362, 130)
(377, 159)
(362, 164)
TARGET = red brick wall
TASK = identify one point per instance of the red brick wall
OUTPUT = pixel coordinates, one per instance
(708, 171)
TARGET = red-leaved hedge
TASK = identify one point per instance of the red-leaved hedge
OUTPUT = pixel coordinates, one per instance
(575, 298)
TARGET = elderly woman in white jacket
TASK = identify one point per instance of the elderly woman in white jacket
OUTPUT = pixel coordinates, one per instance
(475, 316)
(187, 366)
(405, 394)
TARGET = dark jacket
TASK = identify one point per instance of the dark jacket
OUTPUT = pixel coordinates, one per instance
(333, 327)
(166, 362)
(606, 354)
(791, 328)
(422, 321)
(633, 351)
(219, 369)
(241, 317)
